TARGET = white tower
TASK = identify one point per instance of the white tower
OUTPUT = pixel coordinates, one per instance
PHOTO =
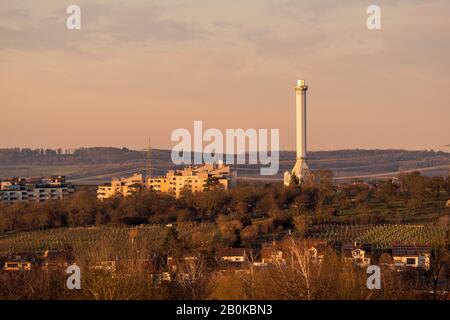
(300, 170)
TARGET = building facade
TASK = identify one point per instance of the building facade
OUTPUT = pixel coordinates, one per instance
(414, 256)
(194, 179)
(122, 186)
(358, 254)
(34, 190)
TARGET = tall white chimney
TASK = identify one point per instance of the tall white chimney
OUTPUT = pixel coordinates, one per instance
(300, 169)
(300, 102)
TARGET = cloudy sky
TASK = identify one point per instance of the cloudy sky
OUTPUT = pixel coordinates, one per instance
(144, 68)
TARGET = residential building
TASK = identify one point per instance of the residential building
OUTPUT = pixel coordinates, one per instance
(175, 265)
(122, 186)
(53, 259)
(18, 261)
(235, 255)
(107, 266)
(358, 254)
(316, 250)
(187, 267)
(415, 256)
(17, 265)
(194, 179)
(35, 189)
(271, 253)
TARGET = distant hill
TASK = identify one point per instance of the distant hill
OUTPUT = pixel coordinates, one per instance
(94, 165)
(59, 156)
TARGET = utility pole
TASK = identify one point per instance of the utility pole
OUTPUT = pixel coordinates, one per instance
(149, 163)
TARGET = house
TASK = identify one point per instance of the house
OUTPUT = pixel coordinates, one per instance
(271, 253)
(183, 268)
(175, 265)
(18, 261)
(53, 259)
(159, 278)
(233, 255)
(17, 265)
(316, 250)
(415, 256)
(107, 266)
(358, 254)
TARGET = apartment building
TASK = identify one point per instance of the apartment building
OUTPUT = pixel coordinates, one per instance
(194, 179)
(15, 190)
(121, 186)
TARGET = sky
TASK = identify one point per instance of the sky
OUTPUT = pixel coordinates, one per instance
(140, 69)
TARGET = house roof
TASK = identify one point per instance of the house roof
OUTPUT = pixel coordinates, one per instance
(20, 256)
(232, 252)
(17, 261)
(268, 250)
(409, 250)
(351, 246)
(59, 255)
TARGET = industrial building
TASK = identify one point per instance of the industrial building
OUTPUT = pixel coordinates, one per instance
(15, 190)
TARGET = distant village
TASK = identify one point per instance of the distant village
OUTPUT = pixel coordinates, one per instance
(234, 260)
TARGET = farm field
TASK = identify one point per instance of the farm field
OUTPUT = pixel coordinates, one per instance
(381, 236)
(82, 238)
(384, 235)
